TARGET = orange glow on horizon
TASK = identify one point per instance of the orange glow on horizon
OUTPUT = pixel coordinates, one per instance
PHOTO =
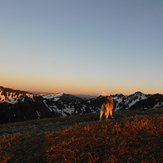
(85, 87)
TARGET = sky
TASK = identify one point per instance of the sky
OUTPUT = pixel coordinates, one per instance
(82, 46)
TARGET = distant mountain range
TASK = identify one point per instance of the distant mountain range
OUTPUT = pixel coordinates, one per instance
(16, 105)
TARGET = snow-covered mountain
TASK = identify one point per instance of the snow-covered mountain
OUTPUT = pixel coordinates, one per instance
(127, 102)
(9, 94)
(18, 105)
(103, 94)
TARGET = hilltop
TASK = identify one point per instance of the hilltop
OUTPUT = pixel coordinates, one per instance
(59, 123)
(82, 138)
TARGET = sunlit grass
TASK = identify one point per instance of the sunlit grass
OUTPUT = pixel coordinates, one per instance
(6, 148)
(132, 139)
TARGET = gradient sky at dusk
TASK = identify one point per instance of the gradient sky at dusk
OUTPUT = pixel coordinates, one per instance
(82, 46)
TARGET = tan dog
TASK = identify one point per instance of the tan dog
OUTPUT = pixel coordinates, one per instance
(107, 108)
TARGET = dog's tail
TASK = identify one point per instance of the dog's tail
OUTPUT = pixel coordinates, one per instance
(102, 108)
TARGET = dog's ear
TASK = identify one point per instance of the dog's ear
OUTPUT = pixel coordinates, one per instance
(108, 97)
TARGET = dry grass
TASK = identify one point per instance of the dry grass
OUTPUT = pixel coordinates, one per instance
(22, 148)
(133, 139)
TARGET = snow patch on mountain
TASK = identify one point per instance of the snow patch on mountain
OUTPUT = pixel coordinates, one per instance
(11, 101)
(38, 114)
(159, 105)
(54, 97)
(103, 94)
(68, 111)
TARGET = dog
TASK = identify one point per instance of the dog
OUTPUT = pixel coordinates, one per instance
(107, 108)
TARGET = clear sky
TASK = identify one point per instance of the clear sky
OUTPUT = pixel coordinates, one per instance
(82, 46)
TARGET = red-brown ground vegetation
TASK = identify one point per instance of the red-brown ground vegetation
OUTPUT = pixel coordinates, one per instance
(134, 139)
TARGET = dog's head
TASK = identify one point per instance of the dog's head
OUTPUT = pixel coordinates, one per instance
(109, 98)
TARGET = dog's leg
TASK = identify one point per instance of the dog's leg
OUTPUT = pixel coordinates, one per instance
(106, 114)
(101, 113)
(111, 112)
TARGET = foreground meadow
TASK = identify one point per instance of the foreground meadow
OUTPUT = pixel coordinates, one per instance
(132, 139)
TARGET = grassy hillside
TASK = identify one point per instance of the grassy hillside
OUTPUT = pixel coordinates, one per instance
(130, 137)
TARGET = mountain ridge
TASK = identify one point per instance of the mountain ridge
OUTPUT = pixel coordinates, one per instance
(16, 105)
(8, 93)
